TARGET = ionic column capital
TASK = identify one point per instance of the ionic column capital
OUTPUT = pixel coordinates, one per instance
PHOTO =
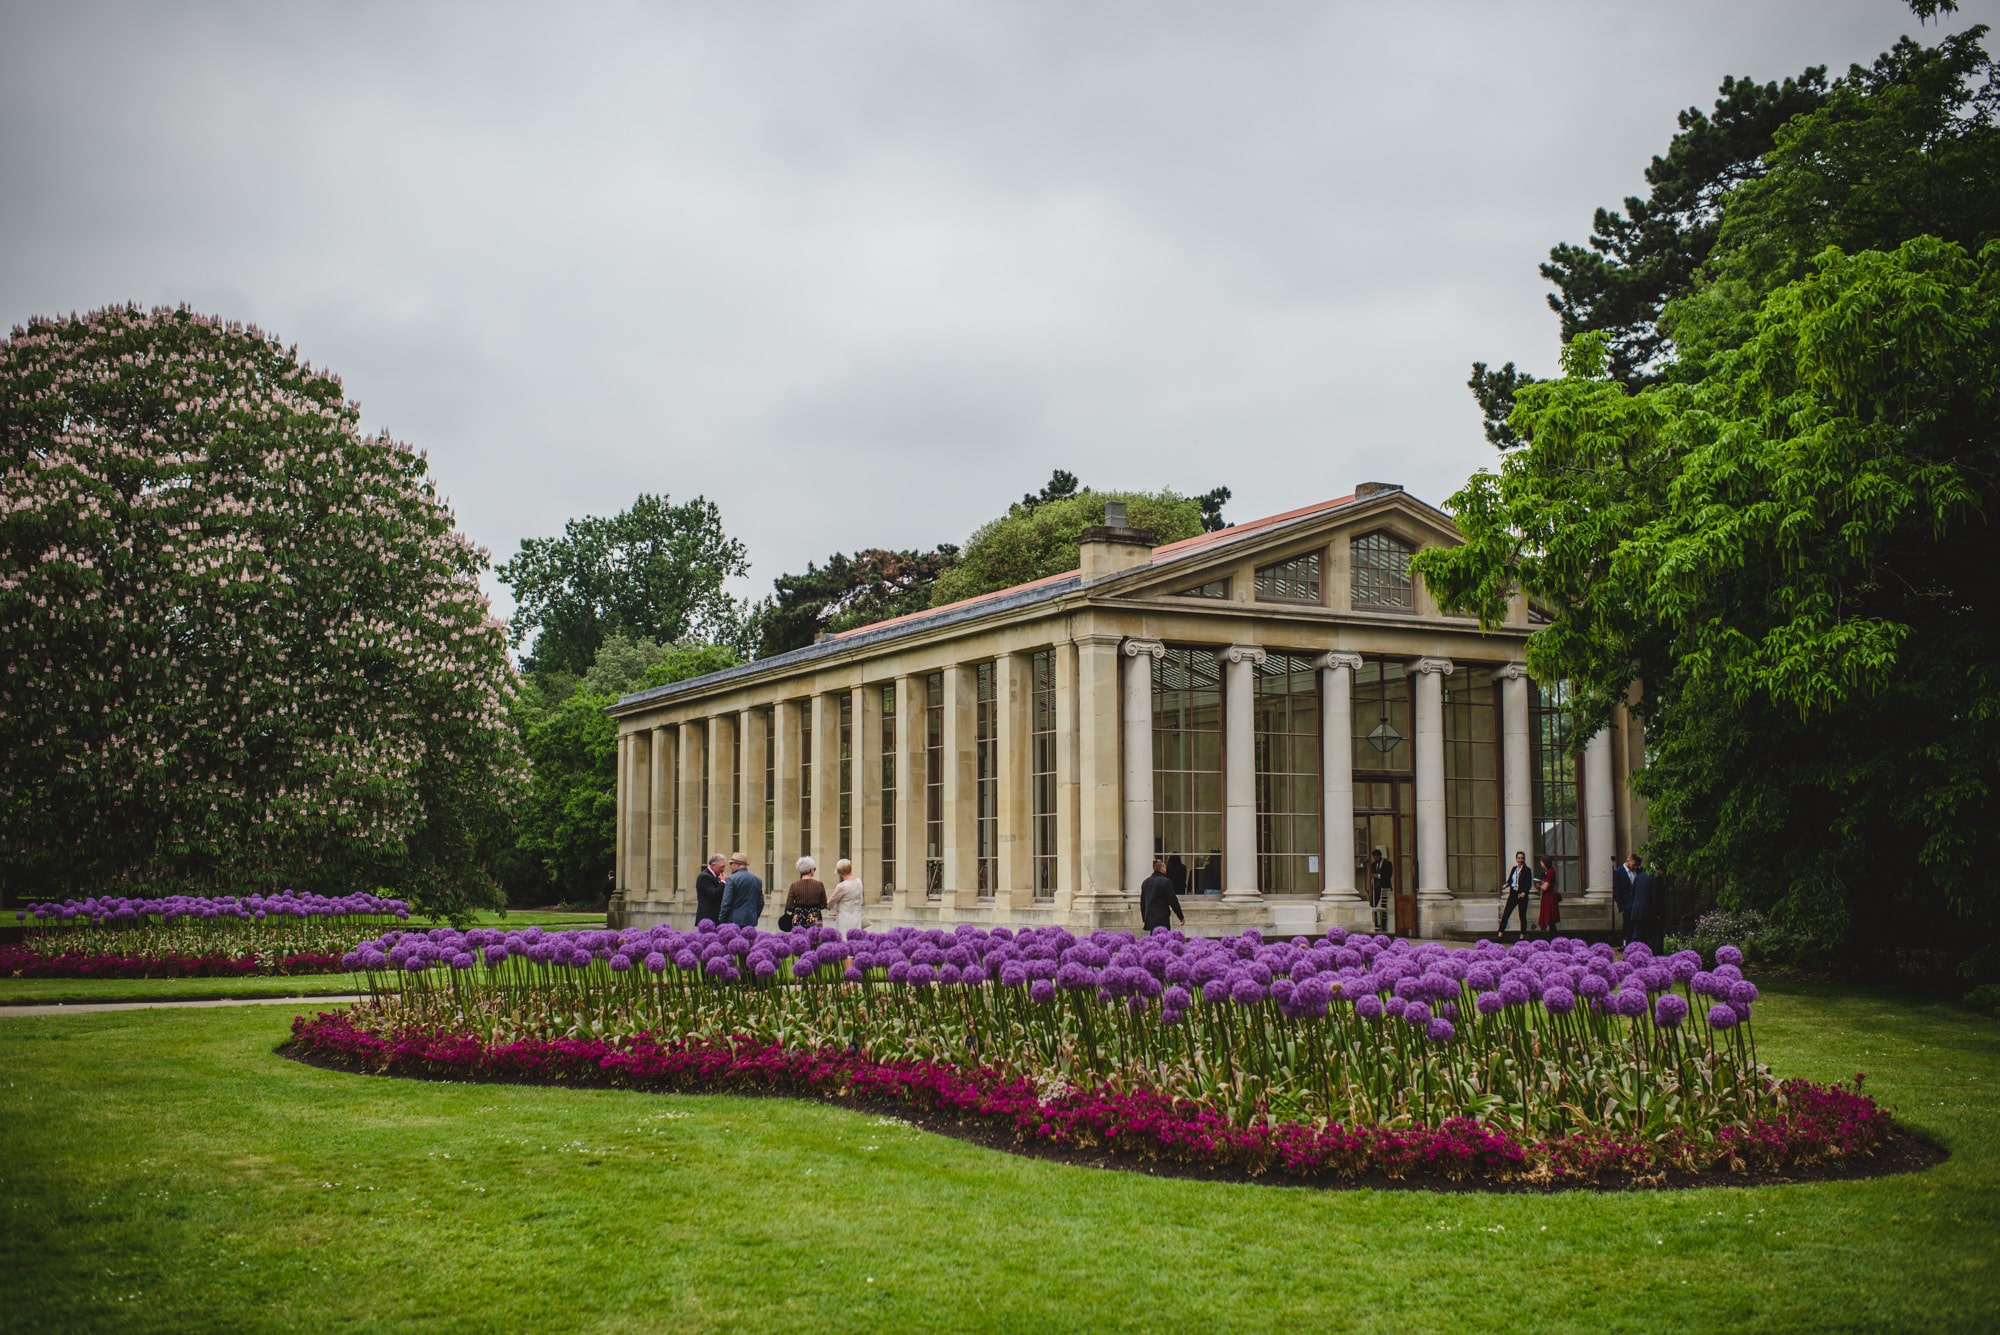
(1512, 671)
(1136, 648)
(1442, 666)
(1244, 653)
(1337, 659)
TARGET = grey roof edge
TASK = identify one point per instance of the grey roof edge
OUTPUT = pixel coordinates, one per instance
(867, 636)
(864, 637)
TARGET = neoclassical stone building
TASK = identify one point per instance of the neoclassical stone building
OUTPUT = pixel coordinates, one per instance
(1265, 706)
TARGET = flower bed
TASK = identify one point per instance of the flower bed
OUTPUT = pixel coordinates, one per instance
(191, 937)
(18, 961)
(1548, 1059)
(1808, 1125)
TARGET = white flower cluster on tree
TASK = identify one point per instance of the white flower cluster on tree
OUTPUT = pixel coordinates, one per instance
(241, 643)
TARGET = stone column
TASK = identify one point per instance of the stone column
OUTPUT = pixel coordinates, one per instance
(1012, 691)
(721, 784)
(961, 785)
(692, 844)
(785, 832)
(751, 726)
(1600, 822)
(660, 843)
(1137, 716)
(910, 791)
(1336, 774)
(1239, 775)
(825, 848)
(1433, 887)
(1100, 845)
(621, 810)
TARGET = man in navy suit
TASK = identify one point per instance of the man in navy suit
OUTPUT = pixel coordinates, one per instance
(1621, 891)
(1648, 918)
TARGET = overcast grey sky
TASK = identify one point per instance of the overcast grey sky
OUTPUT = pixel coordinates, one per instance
(862, 273)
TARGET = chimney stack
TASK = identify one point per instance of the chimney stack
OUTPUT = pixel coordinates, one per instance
(1364, 489)
(1113, 546)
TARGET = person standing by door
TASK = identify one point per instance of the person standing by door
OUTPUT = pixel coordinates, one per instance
(1551, 914)
(1381, 885)
(1158, 901)
(1621, 892)
(1519, 885)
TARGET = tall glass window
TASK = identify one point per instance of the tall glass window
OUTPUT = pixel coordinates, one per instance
(770, 789)
(888, 881)
(1471, 781)
(986, 745)
(736, 786)
(805, 777)
(1285, 702)
(1293, 581)
(1187, 768)
(707, 769)
(934, 785)
(846, 842)
(1385, 799)
(1042, 762)
(1553, 754)
(1381, 564)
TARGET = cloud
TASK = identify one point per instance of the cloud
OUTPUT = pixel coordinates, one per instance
(861, 273)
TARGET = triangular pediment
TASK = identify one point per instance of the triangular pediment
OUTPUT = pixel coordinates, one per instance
(1220, 567)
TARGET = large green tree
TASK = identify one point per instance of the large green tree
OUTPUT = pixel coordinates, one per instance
(848, 591)
(1786, 535)
(242, 644)
(1038, 536)
(568, 822)
(655, 572)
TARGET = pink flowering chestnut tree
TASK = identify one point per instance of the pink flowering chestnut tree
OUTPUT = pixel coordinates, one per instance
(242, 645)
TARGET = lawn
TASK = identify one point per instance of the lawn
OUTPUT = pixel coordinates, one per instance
(45, 991)
(164, 1170)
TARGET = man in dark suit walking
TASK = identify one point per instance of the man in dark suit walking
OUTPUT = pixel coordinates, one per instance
(1649, 909)
(1157, 900)
(708, 891)
(1621, 892)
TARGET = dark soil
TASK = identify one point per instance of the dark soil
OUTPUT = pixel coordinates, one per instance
(1904, 1152)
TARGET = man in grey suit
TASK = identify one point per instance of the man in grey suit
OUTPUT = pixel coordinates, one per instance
(742, 893)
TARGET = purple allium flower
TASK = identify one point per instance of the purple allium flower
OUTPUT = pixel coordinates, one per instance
(1488, 1003)
(1439, 1030)
(1720, 1016)
(655, 961)
(1743, 993)
(1042, 991)
(1416, 1014)
(1395, 1006)
(1558, 1000)
(1246, 991)
(1592, 986)
(1369, 1007)
(1669, 1010)
(621, 962)
(1514, 992)
(1728, 955)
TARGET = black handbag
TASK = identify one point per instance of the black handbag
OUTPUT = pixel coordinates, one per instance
(786, 921)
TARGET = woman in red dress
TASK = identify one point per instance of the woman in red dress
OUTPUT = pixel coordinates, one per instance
(1545, 881)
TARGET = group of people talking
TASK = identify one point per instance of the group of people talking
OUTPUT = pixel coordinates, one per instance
(726, 891)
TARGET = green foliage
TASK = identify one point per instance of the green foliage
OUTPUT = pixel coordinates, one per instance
(848, 591)
(1985, 999)
(654, 572)
(1763, 942)
(1784, 532)
(1032, 542)
(243, 644)
(568, 822)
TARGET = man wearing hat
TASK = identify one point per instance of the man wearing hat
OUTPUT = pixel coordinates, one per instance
(742, 893)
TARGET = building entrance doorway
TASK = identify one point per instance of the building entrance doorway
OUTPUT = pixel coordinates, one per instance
(1385, 818)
